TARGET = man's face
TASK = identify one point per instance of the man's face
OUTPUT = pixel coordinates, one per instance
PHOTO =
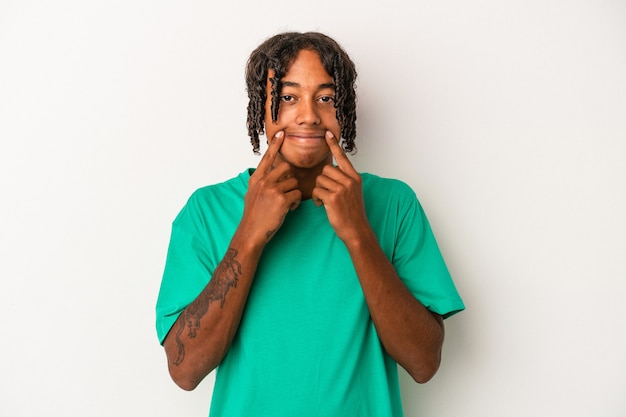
(306, 112)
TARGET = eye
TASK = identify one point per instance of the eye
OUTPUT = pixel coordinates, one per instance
(327, 99)
(286, 98)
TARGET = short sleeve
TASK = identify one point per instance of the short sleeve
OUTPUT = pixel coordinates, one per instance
(419, 261)
(188, 268)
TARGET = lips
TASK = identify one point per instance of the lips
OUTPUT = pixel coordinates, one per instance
(305, 138)
(305, 135)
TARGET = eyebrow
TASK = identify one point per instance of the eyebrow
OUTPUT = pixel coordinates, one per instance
(321, 86)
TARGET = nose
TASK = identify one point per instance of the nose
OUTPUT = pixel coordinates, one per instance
(308, 113)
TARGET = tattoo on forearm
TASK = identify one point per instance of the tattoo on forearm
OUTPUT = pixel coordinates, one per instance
(225, 276)
(270, 233)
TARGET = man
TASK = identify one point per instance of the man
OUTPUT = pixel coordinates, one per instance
(302, 281)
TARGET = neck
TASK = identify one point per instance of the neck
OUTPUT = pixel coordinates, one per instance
(306, 179)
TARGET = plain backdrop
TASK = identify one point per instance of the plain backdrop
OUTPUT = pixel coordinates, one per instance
(508, 118)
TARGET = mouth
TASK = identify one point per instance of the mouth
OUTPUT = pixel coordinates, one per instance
(305, 137)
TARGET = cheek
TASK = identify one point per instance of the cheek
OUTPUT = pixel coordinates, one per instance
(283, 114)
(332, 124)
(270, 126)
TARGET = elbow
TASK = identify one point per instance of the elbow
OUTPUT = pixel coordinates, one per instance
(187, 369)
(186, 379)
(188, 373)
(186, 384)
(423, 364)
(427, 359)
(182, 379)
(424, 374)
(425, 369)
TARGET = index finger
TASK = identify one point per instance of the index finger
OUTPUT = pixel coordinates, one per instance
(340, 156)
(270, 154)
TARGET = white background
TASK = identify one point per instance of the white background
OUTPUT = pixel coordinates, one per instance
(507, 118)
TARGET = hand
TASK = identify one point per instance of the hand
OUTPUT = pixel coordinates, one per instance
(339, 189)
(272, 192)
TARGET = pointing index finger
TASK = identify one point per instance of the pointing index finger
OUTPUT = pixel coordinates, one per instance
(270, 154)
(340, 156)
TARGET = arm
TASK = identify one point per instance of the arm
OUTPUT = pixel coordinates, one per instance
(410, 333)
(202, 334)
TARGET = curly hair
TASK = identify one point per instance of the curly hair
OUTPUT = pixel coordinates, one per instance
(278, 53)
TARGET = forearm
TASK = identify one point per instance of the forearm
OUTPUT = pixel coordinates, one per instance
(202, 335)
(410, 333)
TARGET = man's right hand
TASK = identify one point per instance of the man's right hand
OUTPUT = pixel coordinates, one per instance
(272, 192)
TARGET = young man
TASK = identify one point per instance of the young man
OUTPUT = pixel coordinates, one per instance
(302, 281)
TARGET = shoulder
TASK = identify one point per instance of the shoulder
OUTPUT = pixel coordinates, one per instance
(386, 197)
(219, 196)
(389, 187)
(236, 186)
(232, 188)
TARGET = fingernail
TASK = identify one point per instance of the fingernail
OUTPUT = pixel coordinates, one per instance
(329, 134)
(279, 134)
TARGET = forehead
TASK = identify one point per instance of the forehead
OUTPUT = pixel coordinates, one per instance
(306, 68)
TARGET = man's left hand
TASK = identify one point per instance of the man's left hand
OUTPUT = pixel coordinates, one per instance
(339, 189)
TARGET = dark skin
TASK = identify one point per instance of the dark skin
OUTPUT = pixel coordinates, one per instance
(298, 165)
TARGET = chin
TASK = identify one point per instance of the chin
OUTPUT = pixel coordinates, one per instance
(306, 161)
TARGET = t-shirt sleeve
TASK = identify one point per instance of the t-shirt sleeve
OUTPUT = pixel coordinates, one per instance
(188, 268)
(419, 261)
